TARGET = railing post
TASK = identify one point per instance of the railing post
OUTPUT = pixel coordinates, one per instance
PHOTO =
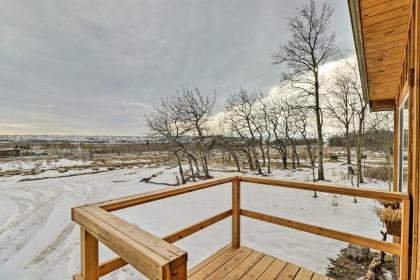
(89, 256)
(405, 226)
(178, 273)
(236, 213)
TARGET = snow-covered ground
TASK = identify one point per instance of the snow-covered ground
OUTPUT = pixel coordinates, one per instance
(39, 241)
(44, 164)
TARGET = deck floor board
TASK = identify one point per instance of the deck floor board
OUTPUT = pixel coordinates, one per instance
(245, 263)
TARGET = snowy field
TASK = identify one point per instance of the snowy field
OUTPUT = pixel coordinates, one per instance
(39, 241)
(44, 164)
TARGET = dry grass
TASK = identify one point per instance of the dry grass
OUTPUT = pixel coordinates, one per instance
(389, 215)
(389, 204)
(388, 211)
(378, 173)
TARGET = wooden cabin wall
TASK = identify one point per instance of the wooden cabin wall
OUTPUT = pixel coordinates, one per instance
(410, 84)
(415, 132)
(395, 149)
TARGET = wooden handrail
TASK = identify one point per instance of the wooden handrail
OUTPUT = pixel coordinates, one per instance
(158, 259)
(133, 200)
(152, 256)
(328, 188)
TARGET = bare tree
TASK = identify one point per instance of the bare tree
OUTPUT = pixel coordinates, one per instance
(259, 125)
(310, 46)
(292, 131)
(195, 110)
(360, 108)
(341, 105)
(242, 112)
(167, 123)
(230, 143)
(303, 117)
(280, 121)
(384, 121)
(264, 107)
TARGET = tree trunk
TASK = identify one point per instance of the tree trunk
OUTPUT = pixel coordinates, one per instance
(257, 163)
(235, 157)
(263, 154)
(295, 152)
(388, 159)
(197, 169)
(181, 171)
(293, 160)
(319, 133)
(204, 162)
(348, 150)
(249, 158)
(268, 160)
(284, 157)
(312, 162)
(359, 154)
(191, 167)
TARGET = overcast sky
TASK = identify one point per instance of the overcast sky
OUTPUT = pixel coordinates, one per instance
(95, 67)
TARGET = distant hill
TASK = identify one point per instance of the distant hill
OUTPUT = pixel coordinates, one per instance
(77, 138)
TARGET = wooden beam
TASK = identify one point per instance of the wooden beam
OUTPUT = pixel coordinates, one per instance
(111, 265)
(236, 215)
(327, 188)
(129, 201)
(89, 256)
(181, 234)
(391, 248)
(381, 105)
(117, 262)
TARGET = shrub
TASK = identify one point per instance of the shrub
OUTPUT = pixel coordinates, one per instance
(334, 157)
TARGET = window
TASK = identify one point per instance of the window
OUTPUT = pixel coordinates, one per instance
(403, 146)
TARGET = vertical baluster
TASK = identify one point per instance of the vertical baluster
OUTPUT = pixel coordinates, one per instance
(178, 273)
(236, 213)
(89, 256)
(405, 225)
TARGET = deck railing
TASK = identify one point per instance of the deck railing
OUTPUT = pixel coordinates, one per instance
(157, 258)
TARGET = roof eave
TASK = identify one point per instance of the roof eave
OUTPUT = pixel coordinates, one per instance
(356, 23)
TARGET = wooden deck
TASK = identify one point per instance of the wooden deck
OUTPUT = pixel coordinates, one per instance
(157, 258)
(245, 263)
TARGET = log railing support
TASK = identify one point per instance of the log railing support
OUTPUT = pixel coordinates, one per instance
(236, 213)
(405, 224)
(89, 256)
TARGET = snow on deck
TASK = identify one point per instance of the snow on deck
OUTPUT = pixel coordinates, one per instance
(39, 241)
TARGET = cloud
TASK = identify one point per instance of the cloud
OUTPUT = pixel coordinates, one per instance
(139, 105)
(95, 66)
(218, 123)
